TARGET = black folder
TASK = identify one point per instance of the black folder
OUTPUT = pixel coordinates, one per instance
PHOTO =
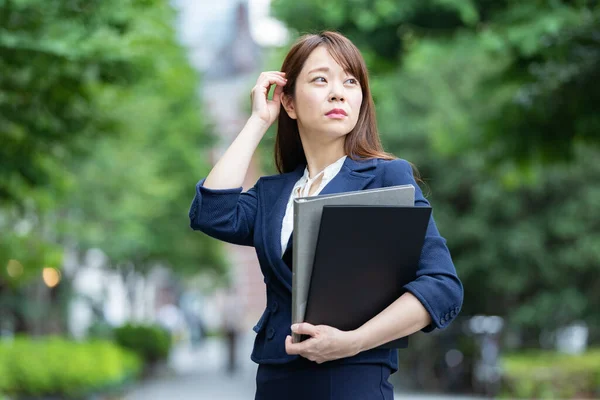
(364, 257)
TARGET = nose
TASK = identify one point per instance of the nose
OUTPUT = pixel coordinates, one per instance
(337, 93)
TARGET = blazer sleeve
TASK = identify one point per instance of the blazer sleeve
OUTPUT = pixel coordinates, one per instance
(437, 285)
(225, 214)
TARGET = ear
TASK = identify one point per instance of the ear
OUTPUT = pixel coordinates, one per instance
(288, 104)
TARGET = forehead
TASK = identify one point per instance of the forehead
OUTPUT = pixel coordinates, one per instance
(320, 57)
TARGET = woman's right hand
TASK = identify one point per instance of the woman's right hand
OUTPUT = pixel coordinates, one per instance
(263, 109)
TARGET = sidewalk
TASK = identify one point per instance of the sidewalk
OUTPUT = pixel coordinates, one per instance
(199, 374)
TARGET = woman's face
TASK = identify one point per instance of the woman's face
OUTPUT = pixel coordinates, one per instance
(327, 99)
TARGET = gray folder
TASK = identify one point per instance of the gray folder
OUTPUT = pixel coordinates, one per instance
(307, 218)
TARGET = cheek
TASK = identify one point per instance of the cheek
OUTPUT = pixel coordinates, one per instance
(310, 102)
(355, 103)
(356, 100)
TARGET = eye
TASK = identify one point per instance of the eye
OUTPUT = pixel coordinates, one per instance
(319, 77)
(352, 81)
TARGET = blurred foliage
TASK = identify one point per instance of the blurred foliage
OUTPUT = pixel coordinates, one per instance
(549, 375)
(534, 70)
(53, 56)
(4, 378)
(151, 342)
(36, 367)
(129, 195)
(101, 131)
(463, 85)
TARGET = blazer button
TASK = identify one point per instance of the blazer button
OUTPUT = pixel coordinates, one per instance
(275, 307)
(270, 333)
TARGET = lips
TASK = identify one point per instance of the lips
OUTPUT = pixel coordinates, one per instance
(337, 111)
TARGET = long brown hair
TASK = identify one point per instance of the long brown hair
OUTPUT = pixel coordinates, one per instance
(363, 141)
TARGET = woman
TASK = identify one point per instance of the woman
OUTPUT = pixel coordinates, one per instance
(327, 142)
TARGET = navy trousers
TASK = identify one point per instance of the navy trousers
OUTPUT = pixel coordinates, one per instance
(306, 380)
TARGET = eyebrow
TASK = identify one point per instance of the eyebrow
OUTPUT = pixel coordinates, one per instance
(325, 69)
(321, 69)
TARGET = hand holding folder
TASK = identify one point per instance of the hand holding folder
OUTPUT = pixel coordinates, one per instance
(307, 232)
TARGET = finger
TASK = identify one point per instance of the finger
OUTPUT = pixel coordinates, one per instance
(273, 80)
(264, 86)
(304, 328)
(290, 347)
(274, 75)
(277, 93)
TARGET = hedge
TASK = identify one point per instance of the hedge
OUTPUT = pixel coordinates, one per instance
(551, 375)
(152, 343)
(56, 367)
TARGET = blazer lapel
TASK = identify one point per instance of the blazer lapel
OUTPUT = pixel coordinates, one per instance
(352, 177)
(276, 191)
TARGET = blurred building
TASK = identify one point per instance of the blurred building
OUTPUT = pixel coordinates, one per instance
(106, 295)
(226, 40)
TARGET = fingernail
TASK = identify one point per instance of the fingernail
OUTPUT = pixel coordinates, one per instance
(294, 327)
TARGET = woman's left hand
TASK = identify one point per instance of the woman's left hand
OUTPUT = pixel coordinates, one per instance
(325, 344)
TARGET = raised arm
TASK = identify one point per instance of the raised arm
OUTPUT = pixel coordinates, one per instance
(219, 208)
(229, 172)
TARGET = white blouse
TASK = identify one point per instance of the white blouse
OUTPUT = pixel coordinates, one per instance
(302, 189)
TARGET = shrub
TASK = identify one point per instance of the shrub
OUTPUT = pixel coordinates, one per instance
(544, 374)
(4, 382)
(151, 343)
(67, 369)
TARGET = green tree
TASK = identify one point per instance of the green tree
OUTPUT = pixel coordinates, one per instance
(53, 56)
(131, 198)
(547, 53)
(101, 133)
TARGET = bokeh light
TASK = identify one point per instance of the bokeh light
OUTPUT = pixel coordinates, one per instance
(51, 276)
(14, 268)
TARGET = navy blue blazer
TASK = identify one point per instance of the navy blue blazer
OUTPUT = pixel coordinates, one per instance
(254, 218)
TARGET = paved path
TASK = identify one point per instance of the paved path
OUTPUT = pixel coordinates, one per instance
(198, 374)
